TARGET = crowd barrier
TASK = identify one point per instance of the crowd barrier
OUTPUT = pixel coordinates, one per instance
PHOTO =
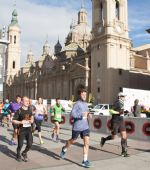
(137, 128)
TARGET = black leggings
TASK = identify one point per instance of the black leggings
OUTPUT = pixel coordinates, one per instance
(38, 125)
(24, 133)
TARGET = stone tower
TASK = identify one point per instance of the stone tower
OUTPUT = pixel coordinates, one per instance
(110, 49)
(13, 50)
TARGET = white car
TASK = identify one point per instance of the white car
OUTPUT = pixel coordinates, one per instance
(101, 109)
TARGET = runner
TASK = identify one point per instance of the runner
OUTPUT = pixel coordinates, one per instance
(40, 112)
(57, 111)
(5, 113)
(80, 114)
(23, 119)
(1, 115)
(118, 125)
(13, 107)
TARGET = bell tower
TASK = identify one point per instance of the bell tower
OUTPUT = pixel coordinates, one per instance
(110, 49)
(13, 50)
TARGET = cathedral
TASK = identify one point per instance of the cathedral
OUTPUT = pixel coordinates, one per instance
(100, 58)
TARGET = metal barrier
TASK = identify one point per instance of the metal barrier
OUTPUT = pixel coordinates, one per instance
(137, 128)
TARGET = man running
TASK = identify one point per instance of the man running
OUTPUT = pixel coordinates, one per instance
(13, 107)
(118, 125)
(23, 119)
(57, 111)
(80, 114)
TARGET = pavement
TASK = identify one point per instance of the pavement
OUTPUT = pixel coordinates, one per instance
(46, 156)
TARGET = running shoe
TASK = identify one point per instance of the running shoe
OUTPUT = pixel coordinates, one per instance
(125, 154)
(62, 154)
(41, 142)
(57, 139)
(86, 164)
(13, 142)
(102, 142)
(18, 158)
(25, 158)
(52, 136)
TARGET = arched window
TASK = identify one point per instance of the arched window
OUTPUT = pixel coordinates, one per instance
(117, 10)
(101, 11)
(15, 39)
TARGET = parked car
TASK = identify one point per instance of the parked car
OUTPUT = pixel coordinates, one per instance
(101, 109)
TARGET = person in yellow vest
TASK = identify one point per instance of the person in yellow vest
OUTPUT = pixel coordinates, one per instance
(57, 113)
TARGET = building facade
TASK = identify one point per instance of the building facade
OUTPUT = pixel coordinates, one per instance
(54, 75)
(102, 59)
(114, 63)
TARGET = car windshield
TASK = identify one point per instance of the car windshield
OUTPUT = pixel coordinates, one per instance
(98, 106)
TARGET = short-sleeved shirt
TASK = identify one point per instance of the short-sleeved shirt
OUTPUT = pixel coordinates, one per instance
(119, 107)
(79, 123)
(22, 114)
(13, 107)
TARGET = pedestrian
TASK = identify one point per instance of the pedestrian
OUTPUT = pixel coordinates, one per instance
(32, 108)
(1, 115)
(57, 114)
(40, 112)
(6, 113)
(118, 125)
(136, 109)
(13, 107)
(80, 114)
(23, 119)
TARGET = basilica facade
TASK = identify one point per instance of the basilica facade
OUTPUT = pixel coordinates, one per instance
(102, 59)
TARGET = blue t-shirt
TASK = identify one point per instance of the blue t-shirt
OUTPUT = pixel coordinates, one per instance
(79, 123)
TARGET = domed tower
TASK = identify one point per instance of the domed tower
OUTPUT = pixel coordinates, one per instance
(80, 32)
(46, 48)
(13, 50)
(57, 47)
(30, 56)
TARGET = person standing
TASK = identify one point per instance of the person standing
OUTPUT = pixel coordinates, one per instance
(23, 119)
(40, 112)
(57, 113)
(118, 125)
(80, 114)
(136, 109)
(13, 107)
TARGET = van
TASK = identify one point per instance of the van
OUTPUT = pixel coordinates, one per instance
(101, 109)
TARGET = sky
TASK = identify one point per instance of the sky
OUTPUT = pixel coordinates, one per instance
(42, 20)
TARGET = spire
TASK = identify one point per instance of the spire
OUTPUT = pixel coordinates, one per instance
(30, 55)
(82, 4)
(82, 14)
(46, 47)
(58, 47)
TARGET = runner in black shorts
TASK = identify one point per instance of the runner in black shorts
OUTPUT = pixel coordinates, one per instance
(118, 125)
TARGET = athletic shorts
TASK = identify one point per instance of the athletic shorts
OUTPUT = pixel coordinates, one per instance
(117, 126)
(15, 126)
(82, 134)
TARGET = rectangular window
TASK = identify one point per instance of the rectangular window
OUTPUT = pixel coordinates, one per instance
(15, 39)
(98, 64)
(14, 64)
(98, 89)
(120, 71)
